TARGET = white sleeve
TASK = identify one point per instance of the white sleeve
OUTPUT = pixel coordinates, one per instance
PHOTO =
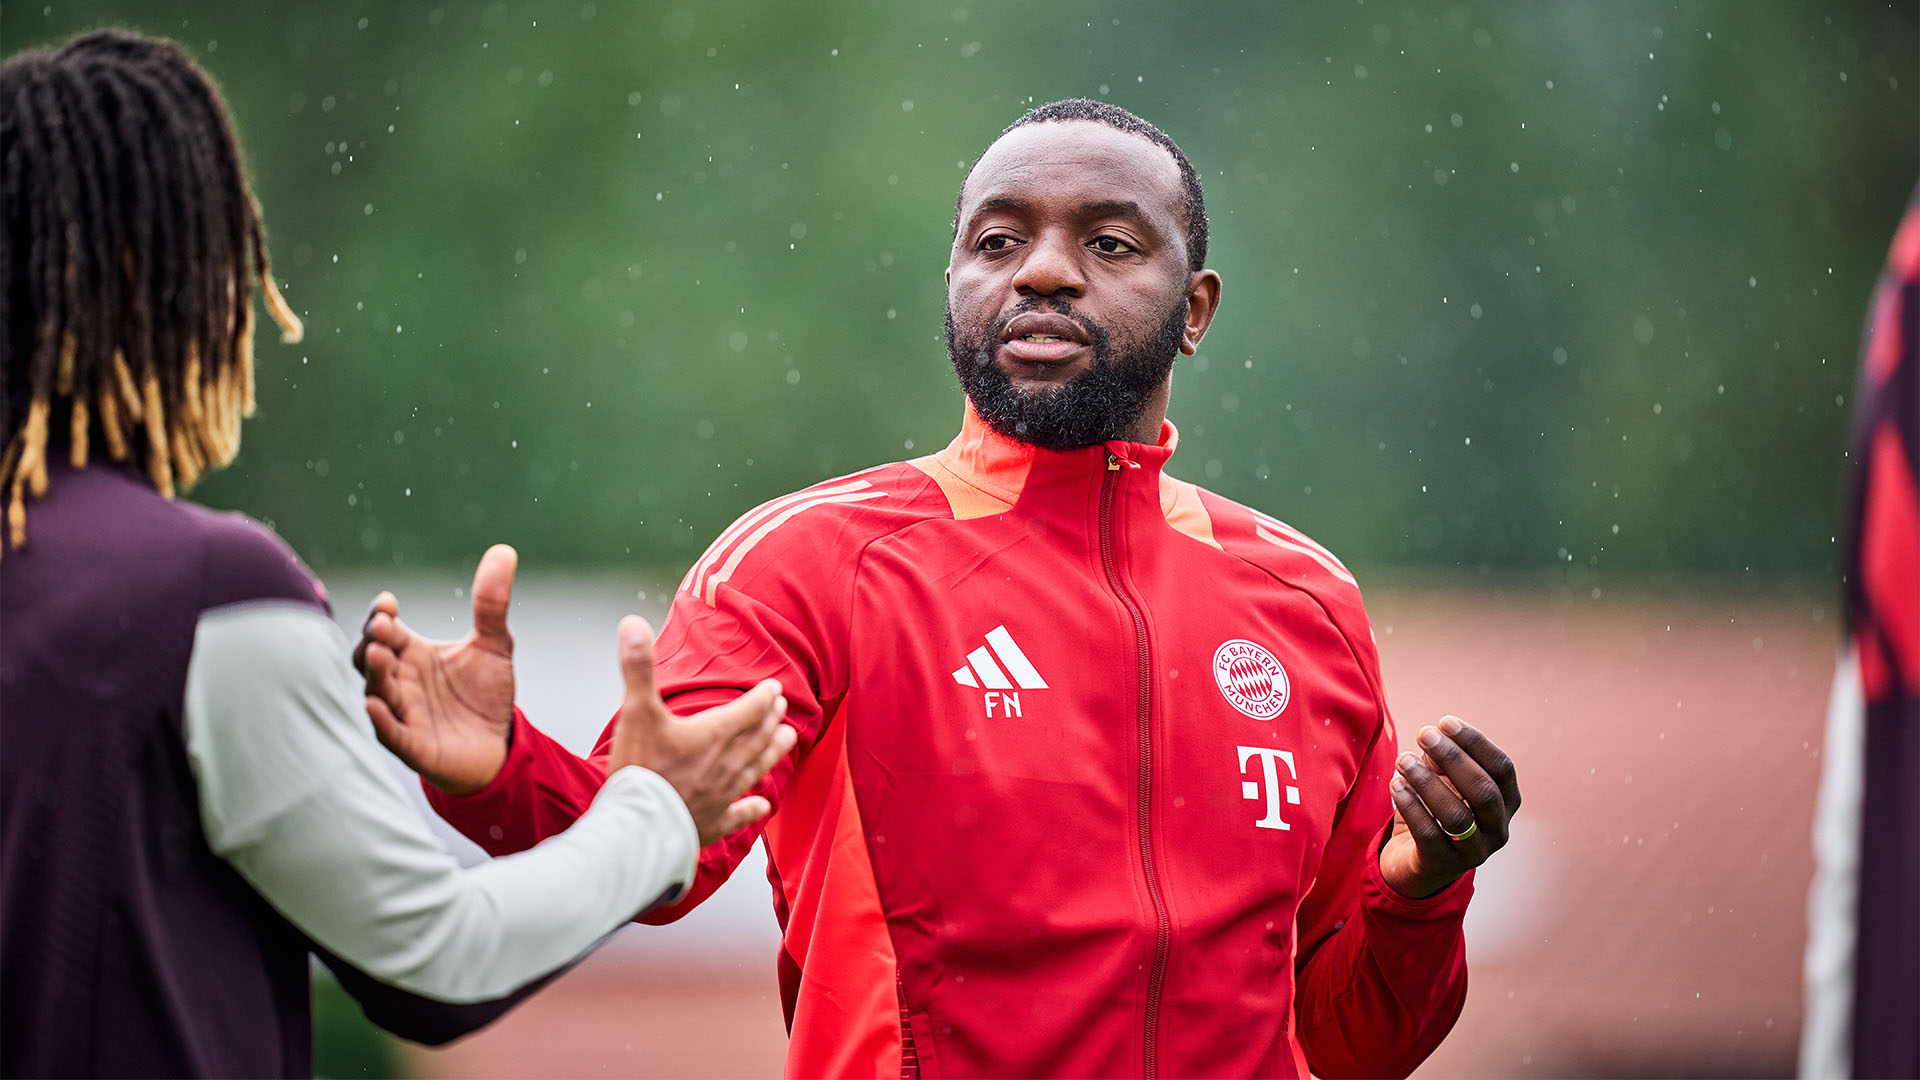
(1833, 900)
(296, 795)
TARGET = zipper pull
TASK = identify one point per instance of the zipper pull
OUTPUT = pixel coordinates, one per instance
(1115, 461)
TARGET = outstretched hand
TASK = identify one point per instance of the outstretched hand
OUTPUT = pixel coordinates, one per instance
(445, 708)
(710, 758)
(1453, 803)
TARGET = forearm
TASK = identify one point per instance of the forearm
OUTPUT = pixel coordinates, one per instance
(423, 1019)
(414, 919)
(1378, 995)
(296, 796)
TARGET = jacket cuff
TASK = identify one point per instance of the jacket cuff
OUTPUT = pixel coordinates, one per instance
(1450, 902)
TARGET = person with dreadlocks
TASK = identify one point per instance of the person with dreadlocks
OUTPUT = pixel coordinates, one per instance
(191, 800)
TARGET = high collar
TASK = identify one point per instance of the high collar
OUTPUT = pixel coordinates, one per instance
(985, 473)
(1000, 466)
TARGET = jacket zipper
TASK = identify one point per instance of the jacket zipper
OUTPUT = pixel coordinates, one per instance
(1163, 925)
(909, 1050)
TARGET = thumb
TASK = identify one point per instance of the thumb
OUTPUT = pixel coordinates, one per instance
(742, 814)
(636, 666)
(641, 711)
(492, 592)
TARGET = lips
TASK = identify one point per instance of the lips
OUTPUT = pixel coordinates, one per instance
(1043, 337)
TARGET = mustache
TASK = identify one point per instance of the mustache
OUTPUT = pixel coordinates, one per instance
(1055, 305)
(982, 349)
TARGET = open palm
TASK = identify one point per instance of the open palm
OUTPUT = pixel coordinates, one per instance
(446, 708)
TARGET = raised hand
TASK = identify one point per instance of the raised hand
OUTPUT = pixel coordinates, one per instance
(710, 758)
(1453, 803)
(445, 708)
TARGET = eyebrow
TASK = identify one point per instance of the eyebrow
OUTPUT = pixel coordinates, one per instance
(1098, 208)
(1112, 208)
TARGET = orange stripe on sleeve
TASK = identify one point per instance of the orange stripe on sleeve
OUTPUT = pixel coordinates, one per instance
(846, 1019)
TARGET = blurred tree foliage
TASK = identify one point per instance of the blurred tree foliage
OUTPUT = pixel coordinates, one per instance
(1508, 285)
(345, 1042)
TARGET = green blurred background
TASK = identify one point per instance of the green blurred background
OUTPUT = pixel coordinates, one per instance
(1570, 291)
(1514, 286)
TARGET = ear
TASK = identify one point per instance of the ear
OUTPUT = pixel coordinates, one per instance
(1203, 299)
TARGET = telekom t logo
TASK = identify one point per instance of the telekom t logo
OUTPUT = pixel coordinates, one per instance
(1268, 786)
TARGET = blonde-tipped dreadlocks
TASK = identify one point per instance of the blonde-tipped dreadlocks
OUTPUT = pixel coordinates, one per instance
(129, 245)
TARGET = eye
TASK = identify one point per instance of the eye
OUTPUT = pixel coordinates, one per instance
(1112, 245)
(996, 242)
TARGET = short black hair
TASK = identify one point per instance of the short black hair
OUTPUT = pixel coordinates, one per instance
(1113, 116)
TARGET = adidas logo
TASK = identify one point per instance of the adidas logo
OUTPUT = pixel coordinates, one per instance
(1011, 670)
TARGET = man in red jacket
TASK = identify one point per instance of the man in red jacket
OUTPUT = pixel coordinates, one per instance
(1095, 773)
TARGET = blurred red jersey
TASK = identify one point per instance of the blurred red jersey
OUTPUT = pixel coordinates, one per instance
(1091, 781)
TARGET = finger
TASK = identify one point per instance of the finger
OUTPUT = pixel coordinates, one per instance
(385, 603)
(382, 666)
(386, 677)
(748, 748)
(757, 736)
(388, 630)
(393, 734)
(742, 754)
(1420, 822)
(636, 667)
(747, 713)
(742, 814)
(1468, 779)
(1443, 804)
(492, 593)
(781, 741)
(1494, 760)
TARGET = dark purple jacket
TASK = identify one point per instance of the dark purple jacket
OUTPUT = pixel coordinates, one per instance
(127, 948)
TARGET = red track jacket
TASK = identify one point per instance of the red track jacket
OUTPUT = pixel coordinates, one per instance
(1091, 779)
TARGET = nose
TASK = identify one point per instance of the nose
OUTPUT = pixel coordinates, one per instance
(1051, 267)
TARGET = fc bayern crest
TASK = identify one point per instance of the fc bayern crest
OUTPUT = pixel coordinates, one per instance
(1250, 679)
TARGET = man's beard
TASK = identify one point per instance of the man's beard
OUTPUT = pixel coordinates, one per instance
(1102, 403)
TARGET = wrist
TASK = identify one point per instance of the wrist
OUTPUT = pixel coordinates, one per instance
(472, 776)
(463, 786)
(1415, 886)
(1411, 889)
(1399, 869)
